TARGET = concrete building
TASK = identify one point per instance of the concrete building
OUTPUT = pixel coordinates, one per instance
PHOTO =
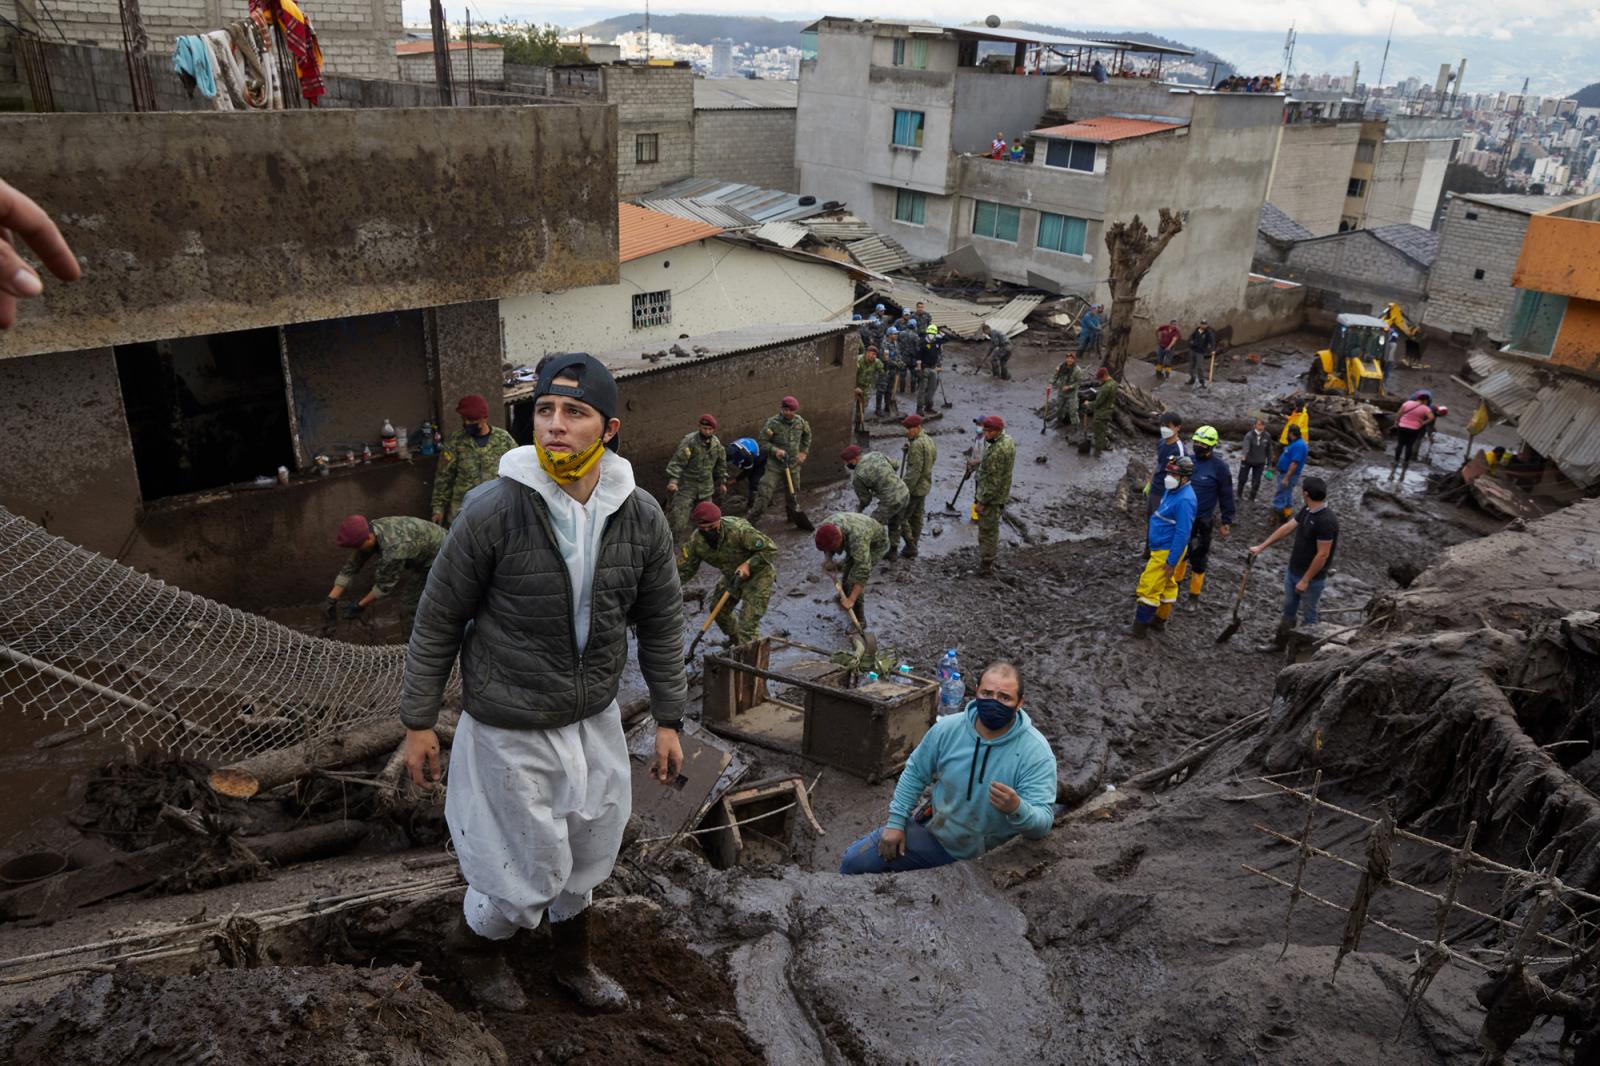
(1557, 311)
(721, 58)
(357, 36)
(1276, 235)
(814, 362)
(289, 281)
(1313, 162)
(1470, 288)
(483, 63)
(1408, 171)
(744, 131)
(922, 106)
(677, 276)
(1363, 270)
(655, 114)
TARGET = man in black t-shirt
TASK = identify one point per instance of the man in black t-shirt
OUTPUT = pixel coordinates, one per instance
(1316, 536)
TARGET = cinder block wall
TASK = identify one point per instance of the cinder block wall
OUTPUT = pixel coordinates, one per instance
(752, 145)
(658, 100)
(1459, 302)
(1312, 173)
(487, 66)
(1362, 269)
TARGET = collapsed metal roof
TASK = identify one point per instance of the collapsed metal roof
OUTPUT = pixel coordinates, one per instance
(1557, 413)
(762, 205)
(960, 317)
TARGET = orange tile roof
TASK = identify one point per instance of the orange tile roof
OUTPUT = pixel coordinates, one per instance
(413, 48)
(642, 232)
(1107, 128)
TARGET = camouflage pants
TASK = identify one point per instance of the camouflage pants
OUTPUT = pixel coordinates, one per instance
(683, 502)
(1067, 408)
(751, 599)
(989, 533)
(890, 520)
(772, 484)
(911, 522)
(1102, 431)
(929, 387)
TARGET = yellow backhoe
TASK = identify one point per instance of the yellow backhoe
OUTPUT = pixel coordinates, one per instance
(1395, 318)
(1353, 360)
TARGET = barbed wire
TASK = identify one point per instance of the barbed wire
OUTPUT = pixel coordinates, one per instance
(98, 645)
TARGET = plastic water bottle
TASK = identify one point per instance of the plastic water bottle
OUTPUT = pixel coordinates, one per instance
(390, 443)
(948, 665)
(902, 675)
(952, 694)
(872, 677)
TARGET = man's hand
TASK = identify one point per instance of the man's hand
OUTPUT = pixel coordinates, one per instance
(1004, 798)
(330, 608)
(1168, 570)
(859, 393)
(422, 756)
(20, 215)
(892, 844)
(742, 571)
(352, 609)
(438, 518)
(1301, 586)
(801, 458)
(669, 756)
(1257, 549)
(779, 453)
(847, 602)
(672, 486)
(974, 463)
(979, 508)
(1225, 529)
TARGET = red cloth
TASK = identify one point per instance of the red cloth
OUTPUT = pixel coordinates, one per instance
(301, 38)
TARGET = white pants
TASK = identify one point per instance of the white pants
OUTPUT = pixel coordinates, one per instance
(537, 817)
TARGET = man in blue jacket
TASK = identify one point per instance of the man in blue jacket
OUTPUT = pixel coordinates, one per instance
(1291, 464)
(1213, 486)
(993, 777)
(1168, 537)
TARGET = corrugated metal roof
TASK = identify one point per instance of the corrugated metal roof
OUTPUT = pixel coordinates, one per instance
(783, 234)
(959, 317)
(732, 94)
(641, 232)
(1107, 128)
(1278, 226)
(879, 253)
(1564, 426)
(763, 205)
(1012, 314)
(1509, 388)
(1512, 201)
(847, 228)
(703, 211)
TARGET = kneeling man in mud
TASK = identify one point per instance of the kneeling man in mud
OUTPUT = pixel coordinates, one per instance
(992, 776)
(540, 578)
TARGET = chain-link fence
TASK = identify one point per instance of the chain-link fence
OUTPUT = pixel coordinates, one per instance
(98, 646)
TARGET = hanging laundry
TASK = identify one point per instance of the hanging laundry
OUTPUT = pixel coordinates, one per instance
(230, 72)
(262, 90)
(301, 38)
(192, 60)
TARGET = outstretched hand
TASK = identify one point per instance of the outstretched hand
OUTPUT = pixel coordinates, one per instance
(19, 215)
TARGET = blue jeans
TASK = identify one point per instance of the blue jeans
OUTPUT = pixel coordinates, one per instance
(923, 852)
(1284, 498)
(1303, 603)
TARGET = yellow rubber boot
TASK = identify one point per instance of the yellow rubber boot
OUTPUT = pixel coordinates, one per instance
(1163, 613)
(1196, 583)
(1181, 569)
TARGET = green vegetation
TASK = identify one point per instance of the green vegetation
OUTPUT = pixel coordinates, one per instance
(530, 45)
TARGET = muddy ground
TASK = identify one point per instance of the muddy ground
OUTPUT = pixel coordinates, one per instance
(1130, 936)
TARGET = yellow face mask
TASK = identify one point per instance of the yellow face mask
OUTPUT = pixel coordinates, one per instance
(567, 467)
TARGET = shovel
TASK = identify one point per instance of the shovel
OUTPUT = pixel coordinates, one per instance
(1044, 419)
(946, 404)
(712, 617)
(1233, 626)
(868, 640)
(797, 516)
(861, 414)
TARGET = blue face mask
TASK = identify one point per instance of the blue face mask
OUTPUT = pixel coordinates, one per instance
(994, 714)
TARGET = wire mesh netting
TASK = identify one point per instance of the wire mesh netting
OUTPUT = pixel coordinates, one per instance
(99, 646)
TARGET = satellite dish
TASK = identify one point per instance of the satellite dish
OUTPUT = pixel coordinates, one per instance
(993, 22)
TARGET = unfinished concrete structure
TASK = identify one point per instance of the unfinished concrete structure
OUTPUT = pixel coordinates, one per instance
(744, 131)
(1312, 163)
(261, 306)
(1470, 288)
(483, 63)
(1364, 270)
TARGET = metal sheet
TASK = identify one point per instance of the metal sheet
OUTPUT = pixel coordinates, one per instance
(1506, 387)
(783, 234)
(1563, 425)
(1011, 316)
(762, 205)
(702, 211)
(959, 317)
(879, 253)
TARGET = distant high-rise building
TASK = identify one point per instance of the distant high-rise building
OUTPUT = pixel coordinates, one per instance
(721, 57)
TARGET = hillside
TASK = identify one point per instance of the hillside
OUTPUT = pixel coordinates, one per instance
(1588, 96)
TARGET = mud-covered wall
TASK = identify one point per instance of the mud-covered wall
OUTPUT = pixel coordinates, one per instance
(210, 222)
(349, 374)
(468, 349)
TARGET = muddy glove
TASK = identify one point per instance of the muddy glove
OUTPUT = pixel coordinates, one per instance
(330, 609)
(892, 845)
(352, 609)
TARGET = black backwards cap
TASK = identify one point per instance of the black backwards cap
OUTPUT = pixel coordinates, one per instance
(596, 387)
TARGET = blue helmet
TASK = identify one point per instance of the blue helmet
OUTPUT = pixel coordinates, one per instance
(743, 452)
(856, 317)
(879, 307)
(891, 331)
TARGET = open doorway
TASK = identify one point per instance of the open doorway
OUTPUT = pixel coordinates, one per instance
(205, 412)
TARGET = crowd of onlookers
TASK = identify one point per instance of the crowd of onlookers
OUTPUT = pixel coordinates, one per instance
(1238, 83)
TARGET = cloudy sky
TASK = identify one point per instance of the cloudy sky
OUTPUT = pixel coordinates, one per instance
(1554, 42)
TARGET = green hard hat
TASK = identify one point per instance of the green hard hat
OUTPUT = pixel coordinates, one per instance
(1206, 435)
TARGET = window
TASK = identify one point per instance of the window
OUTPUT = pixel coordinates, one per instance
(1477, 275)
(204, 412)
(1535, 321)
(900, 51)
(913, 54)
(910, 206)
(1366, 151)
(1062, 233)
(647, 148)
(652, 309)
(1472, 216)
(1357, 188)
(1070, 155)
(908, 129)
(995, 220)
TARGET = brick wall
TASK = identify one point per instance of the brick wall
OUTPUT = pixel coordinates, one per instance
(652, 100)
(752, 145)
(357, 36)
(1312, 173)
(1458, 301)
(1363, 270)
(488, 66)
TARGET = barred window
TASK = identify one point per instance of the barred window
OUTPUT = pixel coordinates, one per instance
(652, 309)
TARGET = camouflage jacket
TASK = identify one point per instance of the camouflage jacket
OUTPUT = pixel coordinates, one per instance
(793, 437)
(403, 543)
(867, 374)
(920, 454)
(994, 473)
(999, 343)
(908, 349)
(874, 478)
(1105, 399)
(464, 465)
(699, 465)
(1067, 379)
(865, 542)
(740, 542)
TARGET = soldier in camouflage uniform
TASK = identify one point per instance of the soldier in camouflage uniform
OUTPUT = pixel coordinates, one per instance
(1104, 409)
(908, 347)
(748, 560)
(864, 541)
(1068, 380)
(994, 488)
(404, 548)
(869, 372)
(785, 441)
(698, 471)
(470, 456)
(873, 477)
(918, 477)
(999, 352)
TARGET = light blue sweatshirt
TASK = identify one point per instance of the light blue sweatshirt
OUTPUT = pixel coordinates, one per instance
(961, 765)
